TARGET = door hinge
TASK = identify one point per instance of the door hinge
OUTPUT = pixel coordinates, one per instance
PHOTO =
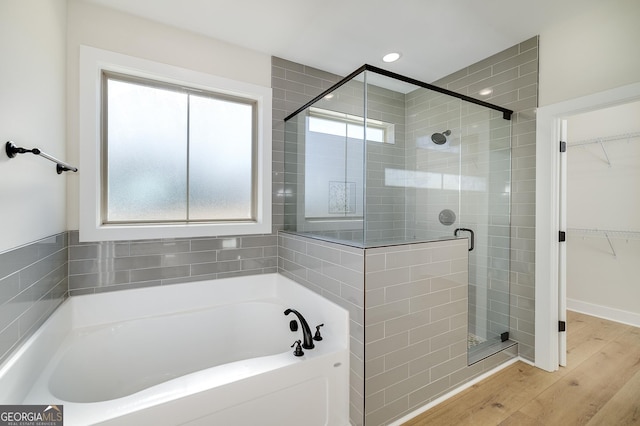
(563, 146)
(562, 236)
(562, 326)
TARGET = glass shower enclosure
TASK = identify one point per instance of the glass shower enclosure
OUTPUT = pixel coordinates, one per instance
(380, 160)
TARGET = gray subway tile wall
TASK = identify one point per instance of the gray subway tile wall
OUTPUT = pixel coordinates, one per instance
(106, 266)
(385, 204)
(409, 344)
(386, 211)
(415, 332)
(336, 272)
(293, 86)
(33, 283)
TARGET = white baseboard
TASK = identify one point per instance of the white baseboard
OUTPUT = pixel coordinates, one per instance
(605, 312)
(456, 391)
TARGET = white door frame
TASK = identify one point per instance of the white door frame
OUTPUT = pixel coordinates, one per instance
(548, 213)
(562, 255)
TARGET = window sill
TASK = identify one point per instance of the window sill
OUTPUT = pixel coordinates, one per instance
(161, 231)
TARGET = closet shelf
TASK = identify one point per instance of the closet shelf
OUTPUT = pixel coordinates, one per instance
(602, 140)
(595, 232)
(624, 136)
(606, 233)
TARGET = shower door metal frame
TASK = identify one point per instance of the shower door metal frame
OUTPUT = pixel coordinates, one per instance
(506, 113)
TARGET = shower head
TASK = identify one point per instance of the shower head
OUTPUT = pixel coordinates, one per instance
(440, 138)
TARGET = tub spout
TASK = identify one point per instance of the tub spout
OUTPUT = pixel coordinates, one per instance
(306, 331)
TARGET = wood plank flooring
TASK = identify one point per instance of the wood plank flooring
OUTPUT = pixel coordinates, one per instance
(600, 385)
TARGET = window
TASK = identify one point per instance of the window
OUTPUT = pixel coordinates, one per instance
(350, 126)
(167, 152)
(334, 161)
(175, 155)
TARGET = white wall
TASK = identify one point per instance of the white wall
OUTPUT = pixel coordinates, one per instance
(594, 51)
(32, 113)
(604, 197)
(95, 26)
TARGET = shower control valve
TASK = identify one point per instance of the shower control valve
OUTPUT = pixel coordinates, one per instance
(298, 350)
(317, 336)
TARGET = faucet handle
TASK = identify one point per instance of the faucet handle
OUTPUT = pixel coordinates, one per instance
(317, 336)
(298, 350)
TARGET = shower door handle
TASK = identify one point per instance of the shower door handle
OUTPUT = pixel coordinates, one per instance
(473, 236)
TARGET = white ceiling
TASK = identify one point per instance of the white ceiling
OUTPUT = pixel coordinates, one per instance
(435, 37)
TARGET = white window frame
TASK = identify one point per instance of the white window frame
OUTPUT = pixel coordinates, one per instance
(92, 63)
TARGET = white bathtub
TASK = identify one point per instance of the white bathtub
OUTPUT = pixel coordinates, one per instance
(205, 353)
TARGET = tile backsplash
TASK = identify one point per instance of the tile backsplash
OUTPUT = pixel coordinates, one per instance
(106, 265)
(33, 282)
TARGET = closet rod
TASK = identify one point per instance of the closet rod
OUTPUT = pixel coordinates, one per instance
(604, 139)
(12, 150)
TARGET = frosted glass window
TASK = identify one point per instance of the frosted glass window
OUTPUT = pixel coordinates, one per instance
(176, 155)
(147, 153)
(220, 159)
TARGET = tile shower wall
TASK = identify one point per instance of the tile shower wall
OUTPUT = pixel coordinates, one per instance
(106, 266)
(385, 204)
(477, 151)
(416, 327)
(513, 76)
(293, 86)
(331, 161)
(33, 282)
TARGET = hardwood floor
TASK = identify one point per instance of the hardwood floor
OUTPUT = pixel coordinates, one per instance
(599, 386)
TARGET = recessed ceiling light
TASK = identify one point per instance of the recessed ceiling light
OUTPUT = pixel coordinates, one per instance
(486, 92)
(391, 57)
(329, 96)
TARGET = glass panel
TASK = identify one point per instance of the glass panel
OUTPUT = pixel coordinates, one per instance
(390, 172)
(433, 156)
(485, 203)
(146, 158)
(324, 185)
(220, 174)
(328, 194)
(294, 143)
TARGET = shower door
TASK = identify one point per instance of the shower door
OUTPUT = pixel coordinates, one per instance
(485, 187)
(459, 169)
